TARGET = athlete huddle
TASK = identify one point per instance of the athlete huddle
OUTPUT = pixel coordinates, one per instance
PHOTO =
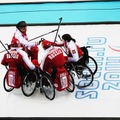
(25, 53)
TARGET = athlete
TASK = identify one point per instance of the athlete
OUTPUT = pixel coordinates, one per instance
(73, 51)
(16, 57)
(30, 47)
(53, 57)
(53, 62)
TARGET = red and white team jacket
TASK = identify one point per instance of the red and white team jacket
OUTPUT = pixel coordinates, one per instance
(23, 39)
(53, 57)
(72, 50)
(17, 55)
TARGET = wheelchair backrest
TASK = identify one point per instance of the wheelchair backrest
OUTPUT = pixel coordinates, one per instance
(85, 55)
(13, 78)
(62, 79)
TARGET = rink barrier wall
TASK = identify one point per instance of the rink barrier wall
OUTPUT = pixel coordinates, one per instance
(71, 12)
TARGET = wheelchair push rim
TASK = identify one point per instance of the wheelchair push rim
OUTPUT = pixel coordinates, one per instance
(71, 88)
(92, 65)
(29, 83)
(85, 77)
(48, 87)
(6, 87)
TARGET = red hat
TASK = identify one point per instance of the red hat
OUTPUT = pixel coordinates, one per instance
(46, 44)
(15, 42)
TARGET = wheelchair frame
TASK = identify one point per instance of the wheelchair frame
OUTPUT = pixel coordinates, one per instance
(82, 69)
(71, 87)
(28, 84)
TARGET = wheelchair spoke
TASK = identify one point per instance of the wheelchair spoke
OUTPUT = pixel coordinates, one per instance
(85, 78)
(29, 83)
(47, 86)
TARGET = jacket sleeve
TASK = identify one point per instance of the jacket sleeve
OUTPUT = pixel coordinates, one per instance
(26, 60)
(43, 61)
(3, 62)
(74, 52)
(23, 41)
(58, 44)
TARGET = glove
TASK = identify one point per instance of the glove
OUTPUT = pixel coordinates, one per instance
(40, 41)
(8, 45)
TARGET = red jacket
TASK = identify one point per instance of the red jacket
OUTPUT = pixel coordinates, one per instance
(72, 50)
(53, 58)
(22, 37)
(20, 57)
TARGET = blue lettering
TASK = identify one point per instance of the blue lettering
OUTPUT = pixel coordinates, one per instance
(85, 94)
(93, 85)
(108, 86)
(96, 41)
(112, 76)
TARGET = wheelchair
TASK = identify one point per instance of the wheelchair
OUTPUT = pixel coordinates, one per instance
(82, 69)
(71, 86)
(88, 60)
(30, 80)
(45, 83)
(27, 82)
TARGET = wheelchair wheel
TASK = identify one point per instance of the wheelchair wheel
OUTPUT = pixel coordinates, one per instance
(85, 76)
(47, 86)
(6, 87)
(29, 83)
(92, 65)
(71, 88)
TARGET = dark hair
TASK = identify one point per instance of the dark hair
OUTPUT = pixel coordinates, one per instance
(67, 37)
(21, 24)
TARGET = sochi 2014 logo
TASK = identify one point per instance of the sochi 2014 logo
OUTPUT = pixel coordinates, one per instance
(108, 74)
